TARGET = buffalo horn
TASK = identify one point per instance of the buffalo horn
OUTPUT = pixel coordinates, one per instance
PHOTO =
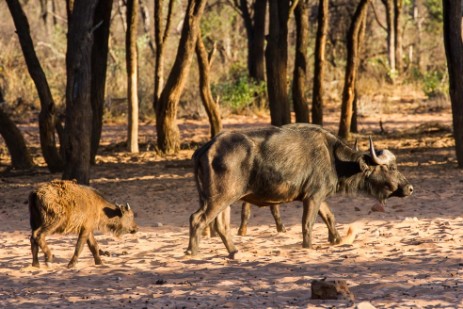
(128, 206)
(356, 147)
(385, 158)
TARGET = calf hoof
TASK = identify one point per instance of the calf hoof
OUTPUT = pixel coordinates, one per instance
(281, 229)
(242, 232)
(72, 264)
(191, 252)
(49, 259)
(36, 264)
(233, 255)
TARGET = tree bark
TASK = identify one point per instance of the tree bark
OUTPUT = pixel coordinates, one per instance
(348, 94)
(389, 5)
(211, 107)
(454, 51)
(14, 140)
(255, 30)
(398, 4)
(300, 105)
(47, 117)
(167, 130)
(102, 23)
(319, 62)
(132, 74)
(276, 61)
(160, 37)
(79, 113)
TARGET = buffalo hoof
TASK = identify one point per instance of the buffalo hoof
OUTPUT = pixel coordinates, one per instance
(281, 229)
(36, 264)
(190, 252)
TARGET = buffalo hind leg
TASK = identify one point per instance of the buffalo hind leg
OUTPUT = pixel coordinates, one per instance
(275, 209)
(35, 252)
(93, 246)
(309, 215)
(199, 220)
(83, 236)
(245, 215)
(328, 217)
(223, 229)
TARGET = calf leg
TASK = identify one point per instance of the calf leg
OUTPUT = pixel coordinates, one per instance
(38, 240)
(328, 217)
(275, 209)
(245, 215)
(35, 252)
(93, 245)
(81, 240)
(309, 215)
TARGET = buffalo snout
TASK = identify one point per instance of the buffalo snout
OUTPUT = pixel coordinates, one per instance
(404, 191)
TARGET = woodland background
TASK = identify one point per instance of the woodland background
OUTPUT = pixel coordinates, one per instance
(135, 61)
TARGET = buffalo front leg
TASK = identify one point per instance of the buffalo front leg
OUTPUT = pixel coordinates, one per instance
(275, 209)
(197, 226)
(93, 246)
(309, 215)
(245, 215)
(328, 217)
(81, 240)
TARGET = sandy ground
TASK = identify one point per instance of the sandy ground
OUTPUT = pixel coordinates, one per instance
(410, 256)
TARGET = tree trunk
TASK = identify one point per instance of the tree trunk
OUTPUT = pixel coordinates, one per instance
(319, 62)
(454, 51)
(301, 108)
(166, 109)
(348, 94)
(398, 4)
(211, 107)
(276, 61)
(255, 30)
(102, 23)
(47, 117)
(160, 38)
(20, 157)
(132, 74)
(79, 113)
(389, 5)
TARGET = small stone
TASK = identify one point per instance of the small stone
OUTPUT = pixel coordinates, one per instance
(331, 289)
(365, 305)
(157, 224)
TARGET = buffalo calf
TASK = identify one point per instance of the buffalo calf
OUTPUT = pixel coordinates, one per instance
(64, 207)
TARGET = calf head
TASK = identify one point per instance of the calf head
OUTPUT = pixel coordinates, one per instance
(122, 220)
(382, 179)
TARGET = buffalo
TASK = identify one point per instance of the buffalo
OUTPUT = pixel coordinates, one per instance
(63, 207)
(274, 165)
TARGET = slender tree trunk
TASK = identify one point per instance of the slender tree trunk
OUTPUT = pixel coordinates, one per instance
(14, 140)
(160, 37)
(300, 105)
(454, 51)
(276, 62)
(132, 74)
(389, 5)
(255, 30)
(319, 62)
(398, 4)
(211, 107)
(348, 94)
(47, 117)
(102, 23)
(166, 127)
(79, 113)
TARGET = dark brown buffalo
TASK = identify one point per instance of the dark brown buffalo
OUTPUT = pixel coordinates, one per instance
(275, 165)
(64, 207)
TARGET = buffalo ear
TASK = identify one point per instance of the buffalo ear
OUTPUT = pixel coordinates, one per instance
(364, 167)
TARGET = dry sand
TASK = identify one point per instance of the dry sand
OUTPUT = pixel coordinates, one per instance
(410, 256)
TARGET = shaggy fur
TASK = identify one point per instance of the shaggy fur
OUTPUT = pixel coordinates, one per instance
(64, 207)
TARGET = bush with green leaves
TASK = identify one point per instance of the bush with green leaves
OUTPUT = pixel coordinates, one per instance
(239, 92)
